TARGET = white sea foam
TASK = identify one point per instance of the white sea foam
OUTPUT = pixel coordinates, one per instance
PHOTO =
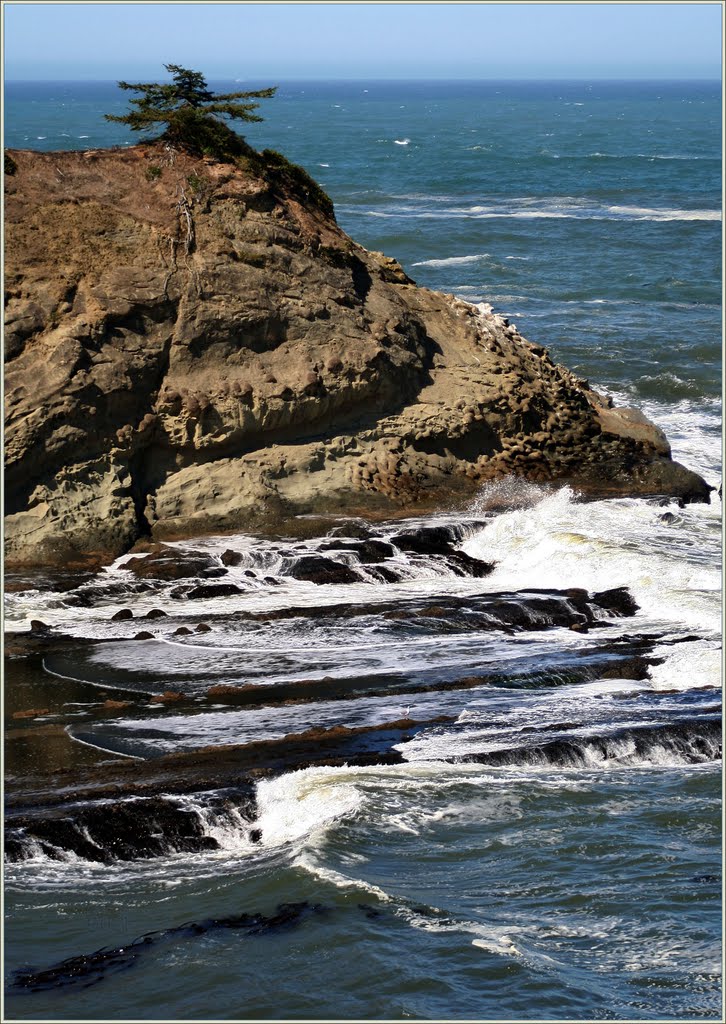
(492, 937)
(191, 667)
(223, 725)
(560, 542)
(310, 864)
(304, 804)
(553, 209)
(693, 428)
(693, 665)
(401, 142)
(647, 156)
(454, 260)
(586, 752)
(647, 213)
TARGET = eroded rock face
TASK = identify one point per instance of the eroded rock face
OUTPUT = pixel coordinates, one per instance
(202, 348)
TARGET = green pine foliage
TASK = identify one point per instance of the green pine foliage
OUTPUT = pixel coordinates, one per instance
(190, 116)
(279, 168)
(193, 119)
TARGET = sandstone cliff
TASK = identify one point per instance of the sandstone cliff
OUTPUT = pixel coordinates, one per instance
(193, 346)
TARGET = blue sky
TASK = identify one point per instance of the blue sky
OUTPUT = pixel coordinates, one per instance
(363, 40)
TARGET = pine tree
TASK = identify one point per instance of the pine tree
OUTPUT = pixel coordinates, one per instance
(193, 118)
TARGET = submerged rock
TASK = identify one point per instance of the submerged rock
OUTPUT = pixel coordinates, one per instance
(90, 968)
(171, 384)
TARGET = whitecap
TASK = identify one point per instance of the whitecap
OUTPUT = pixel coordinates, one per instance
(452, 260)
(647, 213)
(401, 142)
(604, 544)
(691, 665)
(303, 803)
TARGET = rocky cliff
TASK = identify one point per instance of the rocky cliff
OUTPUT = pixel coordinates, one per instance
(193, 346)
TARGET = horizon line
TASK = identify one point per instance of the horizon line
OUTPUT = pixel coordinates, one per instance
(305, 78)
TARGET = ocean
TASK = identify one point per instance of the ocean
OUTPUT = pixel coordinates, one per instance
(550, 848)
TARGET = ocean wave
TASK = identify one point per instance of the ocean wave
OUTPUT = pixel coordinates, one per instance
(678, 668)
(302, 804)
(647, 213)
(548, 212)
(646, 156)
(455, 260)
(604, 544)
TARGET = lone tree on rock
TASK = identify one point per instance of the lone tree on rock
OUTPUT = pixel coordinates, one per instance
(192, 116)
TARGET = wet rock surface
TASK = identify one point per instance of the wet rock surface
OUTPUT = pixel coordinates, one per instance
(368, 552)
(168, 563)
(618, 601)
(700, 740)
(208, 590)
(161, 789)
(103, 824)
(440, 540)
(321, 570)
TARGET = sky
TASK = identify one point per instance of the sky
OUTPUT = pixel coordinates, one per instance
(260, 41)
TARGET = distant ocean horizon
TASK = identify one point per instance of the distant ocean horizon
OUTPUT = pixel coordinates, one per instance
(578, 877)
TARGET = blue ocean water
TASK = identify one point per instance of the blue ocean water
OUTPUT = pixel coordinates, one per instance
(589, 214)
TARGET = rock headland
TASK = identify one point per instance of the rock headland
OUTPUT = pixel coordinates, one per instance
(194, 346)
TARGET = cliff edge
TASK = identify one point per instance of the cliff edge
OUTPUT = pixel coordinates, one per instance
(193, 346)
